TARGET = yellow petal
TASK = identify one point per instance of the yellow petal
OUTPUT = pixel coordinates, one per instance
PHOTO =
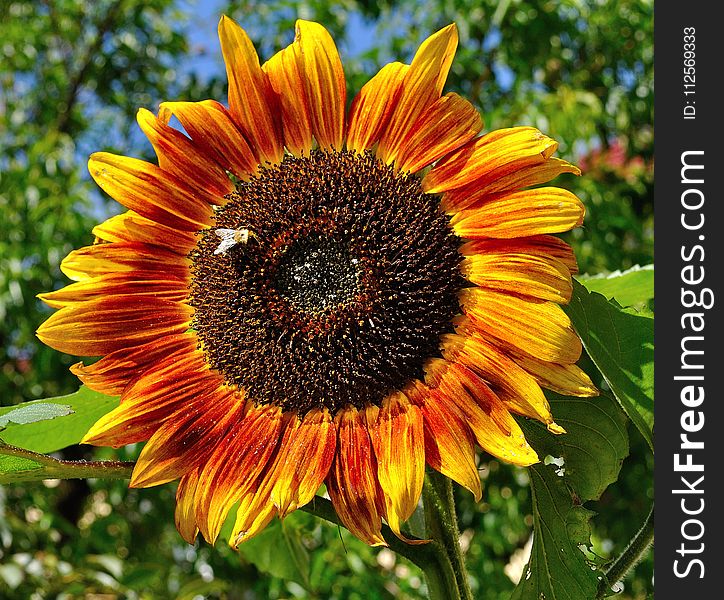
(150, 191)
(373, 106)
(398, 439)
(447, 124)
(495, 155)
(525, 213)
(422, 86)
(548, 247)
(285, 75)
(324, 82)
(537, 328)
(132, 227)
(251, 99)
(540, 277)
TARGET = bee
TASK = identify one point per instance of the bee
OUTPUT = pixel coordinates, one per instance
(231, 237)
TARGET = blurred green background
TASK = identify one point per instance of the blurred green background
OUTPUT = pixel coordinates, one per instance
(72, 76)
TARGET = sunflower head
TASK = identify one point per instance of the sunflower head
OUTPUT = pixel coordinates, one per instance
(299, 294)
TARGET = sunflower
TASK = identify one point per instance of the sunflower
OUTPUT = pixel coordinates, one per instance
(301, 294)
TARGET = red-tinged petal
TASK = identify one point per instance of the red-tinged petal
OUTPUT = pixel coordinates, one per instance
(398, 440)
(324, 82)
(449, 443)
(447, 124)
(521, 214)
(522, 274)
(477, 192)
(138, 283)
(545, 246)
(185, 159)
(511, 382)
(177, 381)
(285, 76)
(373, 106)
(132, 227)
(123, 257)
(352, 482)
(488, 158)
(214, 131)
(251, 98)
(538, 328)
(253, 515)
(101, 326)
(422, 86)
(568, 380)
(111, 374)
(305, 455)
(489, 419)
(187, 437)
(235, 466)
(150, 191)
(184, 515)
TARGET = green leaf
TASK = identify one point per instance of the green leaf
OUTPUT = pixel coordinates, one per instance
(586, 460)
(51, 435)
(629, 288)
(15, 464)
(31, 413)
(620, 343)
(278, 550)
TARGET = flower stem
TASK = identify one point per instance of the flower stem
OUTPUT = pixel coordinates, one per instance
(442, 527)
(629, 558)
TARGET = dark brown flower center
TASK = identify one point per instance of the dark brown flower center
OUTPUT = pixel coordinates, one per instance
(325, 282)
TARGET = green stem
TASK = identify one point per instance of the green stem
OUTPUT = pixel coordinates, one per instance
(431, 557)
(629, 558)
(442, 527)
(53, 468)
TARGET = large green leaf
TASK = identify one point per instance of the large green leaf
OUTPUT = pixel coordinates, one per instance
(54, 434)
(585, 461)
(621, 344)
(629, 288)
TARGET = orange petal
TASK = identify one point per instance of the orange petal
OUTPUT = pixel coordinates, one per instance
(511, 382)
(449, 444)
(184, 516)
(447, 124)
(285, 75)
(186, 438)
(526, 213)
(323, 77)
(492, 424)
(303, 461)
(488, 158)
(399, 444)
(568, 380)
(123, 257)
(111, 374)
(422, 86)
(132, 227)
(352, 482)
(522, 274)
(184, 159)
(138, 283)
(373, 106)
(178, 380)
(538, 328)
(234, 466)
(98, 327)
(524, 176)
(251, 98)
(254, 513)
(213, 130)
(545, 246)
(150, 191)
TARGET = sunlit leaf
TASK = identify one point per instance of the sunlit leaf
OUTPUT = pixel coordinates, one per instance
(620, 342)
(629, 288)
(32, 412)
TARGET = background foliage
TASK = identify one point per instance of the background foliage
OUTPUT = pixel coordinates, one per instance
(72, 75)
